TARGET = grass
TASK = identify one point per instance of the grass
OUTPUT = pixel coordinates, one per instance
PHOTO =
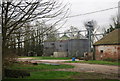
(95, 62)
(39, 67)
(66, 75)
(42, 71)
(47, 58)
(51, 75)
(90, 75)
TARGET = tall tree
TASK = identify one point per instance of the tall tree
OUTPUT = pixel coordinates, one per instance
(16, 14)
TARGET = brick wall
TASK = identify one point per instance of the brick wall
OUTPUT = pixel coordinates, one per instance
(107, 51)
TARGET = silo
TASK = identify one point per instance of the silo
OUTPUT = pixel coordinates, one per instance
(77, 47)
(61, 46)
(49, 48)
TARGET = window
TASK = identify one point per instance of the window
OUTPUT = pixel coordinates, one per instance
(52, 44)
(66, 49)
(101, 51)
(46, 47)
(60, 45)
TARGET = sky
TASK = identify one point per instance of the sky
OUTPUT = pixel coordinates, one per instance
(103, 19)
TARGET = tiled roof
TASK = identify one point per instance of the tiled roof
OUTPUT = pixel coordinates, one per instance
(112, 38)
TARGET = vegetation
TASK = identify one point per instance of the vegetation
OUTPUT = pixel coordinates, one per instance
(114, 25)
(39, 66)
(42, 71)
(95, 62)
(52, 75)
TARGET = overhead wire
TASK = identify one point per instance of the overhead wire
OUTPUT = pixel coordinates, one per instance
(92, 12)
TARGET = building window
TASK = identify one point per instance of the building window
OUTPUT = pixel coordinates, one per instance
(52, 44)
(46, 47)
(66, 49)
(101, 51)
(60, 45)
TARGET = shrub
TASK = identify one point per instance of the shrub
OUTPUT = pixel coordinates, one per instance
(15, 73)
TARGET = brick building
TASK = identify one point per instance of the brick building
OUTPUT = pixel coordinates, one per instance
(108, 47)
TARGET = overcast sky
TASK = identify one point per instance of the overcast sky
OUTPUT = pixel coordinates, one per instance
(84, 6)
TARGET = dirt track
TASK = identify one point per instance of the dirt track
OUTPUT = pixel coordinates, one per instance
(83, 67)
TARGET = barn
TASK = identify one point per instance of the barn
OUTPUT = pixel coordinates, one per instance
(108, 47)
(65, 45)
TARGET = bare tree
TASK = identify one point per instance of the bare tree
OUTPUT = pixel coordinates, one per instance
(16, 13)
(18, 17)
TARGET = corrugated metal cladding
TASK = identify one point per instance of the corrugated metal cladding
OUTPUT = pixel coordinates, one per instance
(107, 51)
(77, 47)
(49, 48)
(74, 47)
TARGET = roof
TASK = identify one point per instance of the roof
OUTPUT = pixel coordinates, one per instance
(64, 37)
(110, 39)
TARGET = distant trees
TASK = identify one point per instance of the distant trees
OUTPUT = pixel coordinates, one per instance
(114, 25)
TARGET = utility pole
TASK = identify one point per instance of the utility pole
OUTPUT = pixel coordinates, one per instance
(0, 56)
(119, 11)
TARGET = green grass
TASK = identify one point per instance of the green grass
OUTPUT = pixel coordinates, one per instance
(47, 58)
(66, 75)
(42, 71)
(51, 75)
(40, 67)
(95, 62)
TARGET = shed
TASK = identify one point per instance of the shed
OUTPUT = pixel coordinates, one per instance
(108, 47)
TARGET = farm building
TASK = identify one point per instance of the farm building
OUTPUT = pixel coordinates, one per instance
(108, 47)
(66, 46)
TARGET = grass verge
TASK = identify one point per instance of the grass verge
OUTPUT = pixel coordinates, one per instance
(39, 66)
(51, 75)
(42, 71)
(95, 62)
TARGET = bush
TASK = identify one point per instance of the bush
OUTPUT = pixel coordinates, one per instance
(15, 73)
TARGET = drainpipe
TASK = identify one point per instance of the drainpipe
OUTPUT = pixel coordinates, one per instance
(94, 52)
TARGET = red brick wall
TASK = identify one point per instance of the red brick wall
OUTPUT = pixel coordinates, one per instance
(107, 51)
